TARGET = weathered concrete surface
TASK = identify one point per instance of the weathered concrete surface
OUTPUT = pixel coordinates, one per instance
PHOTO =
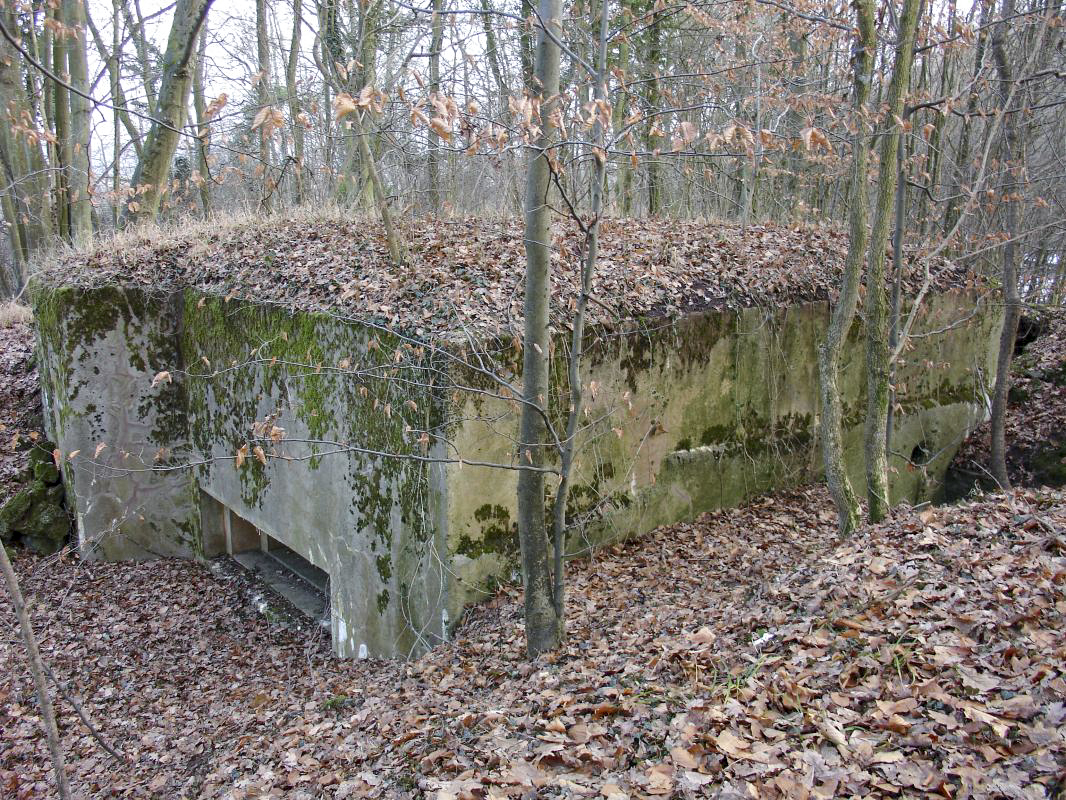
(685, 415)
(715, 409)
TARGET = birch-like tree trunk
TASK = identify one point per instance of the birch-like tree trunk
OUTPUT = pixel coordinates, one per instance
(832, 429)
(877, 350)
(544, 625)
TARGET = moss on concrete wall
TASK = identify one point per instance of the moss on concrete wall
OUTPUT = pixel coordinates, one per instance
(683, 416)
(714, 408)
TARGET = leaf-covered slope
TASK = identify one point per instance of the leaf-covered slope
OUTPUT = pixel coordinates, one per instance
(467, 274)
(747, 654)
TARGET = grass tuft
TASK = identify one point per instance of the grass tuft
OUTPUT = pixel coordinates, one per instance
(13, 313)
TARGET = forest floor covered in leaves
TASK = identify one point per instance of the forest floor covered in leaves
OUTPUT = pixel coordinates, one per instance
(750, 653)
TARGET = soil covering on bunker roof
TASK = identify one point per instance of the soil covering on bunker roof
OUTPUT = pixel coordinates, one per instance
(466, 275)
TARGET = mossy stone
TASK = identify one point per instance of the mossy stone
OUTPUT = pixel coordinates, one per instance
(1049, 466)
(14, 512)
(37, 517)
(46, 472)
(47, 528)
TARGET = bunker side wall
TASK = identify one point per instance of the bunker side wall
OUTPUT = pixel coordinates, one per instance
(179, 388)
(710, 411)
(119, 429)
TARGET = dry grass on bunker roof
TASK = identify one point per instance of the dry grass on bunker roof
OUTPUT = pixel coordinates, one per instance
(467, 273)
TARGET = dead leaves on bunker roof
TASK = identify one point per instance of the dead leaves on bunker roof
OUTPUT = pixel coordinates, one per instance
(466, 275)
(747, 654)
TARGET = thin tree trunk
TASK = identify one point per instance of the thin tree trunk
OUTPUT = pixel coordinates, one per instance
(64, 145)
(397, 251)
(150, 177)
(263, 93)
(954, 204)
(577, 339)
(203, 132)
(493, 55)
(114, 66)
(897, 286)
(544, 625)
(1011, 157)
(653, 57)
(877, 352)
(299, 190)
(79, 182)
(436, 42)
(36, 667)
(140, 44)
(832, 429)
(624, 181)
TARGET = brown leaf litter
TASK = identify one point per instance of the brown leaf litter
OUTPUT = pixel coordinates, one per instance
(747, 654)
(466, 275)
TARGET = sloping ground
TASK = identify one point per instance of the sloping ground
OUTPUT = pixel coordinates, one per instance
(20, 404)
(749, 654)
(1036, 417)
(468, 274)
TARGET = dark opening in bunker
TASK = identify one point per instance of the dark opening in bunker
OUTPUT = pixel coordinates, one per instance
(279, 567)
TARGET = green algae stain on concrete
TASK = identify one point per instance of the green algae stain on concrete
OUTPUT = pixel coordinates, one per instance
(702, 412)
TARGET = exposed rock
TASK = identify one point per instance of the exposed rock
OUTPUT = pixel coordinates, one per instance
(37, 515)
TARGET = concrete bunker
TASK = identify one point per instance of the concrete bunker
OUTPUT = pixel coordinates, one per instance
(375, 452)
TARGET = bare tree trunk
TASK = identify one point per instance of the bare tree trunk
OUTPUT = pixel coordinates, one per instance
(141, 45)
(1011, 157)
(653, 57)
(436, 42)
(79, 181)
(840, 488)
(877, 352)
(577, 339)
(64, 145)
(897, 285)
(203, 133)
(150, 177)
(624, 181)
(493, 55)
(397, 250)
(112, 60)
(299, 190)
(951, 213)
(544, 625)
(12, 202)
(36, 667)
(263, 92)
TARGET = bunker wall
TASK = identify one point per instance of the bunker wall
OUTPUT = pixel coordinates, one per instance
(282, 417)
(711, 410)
